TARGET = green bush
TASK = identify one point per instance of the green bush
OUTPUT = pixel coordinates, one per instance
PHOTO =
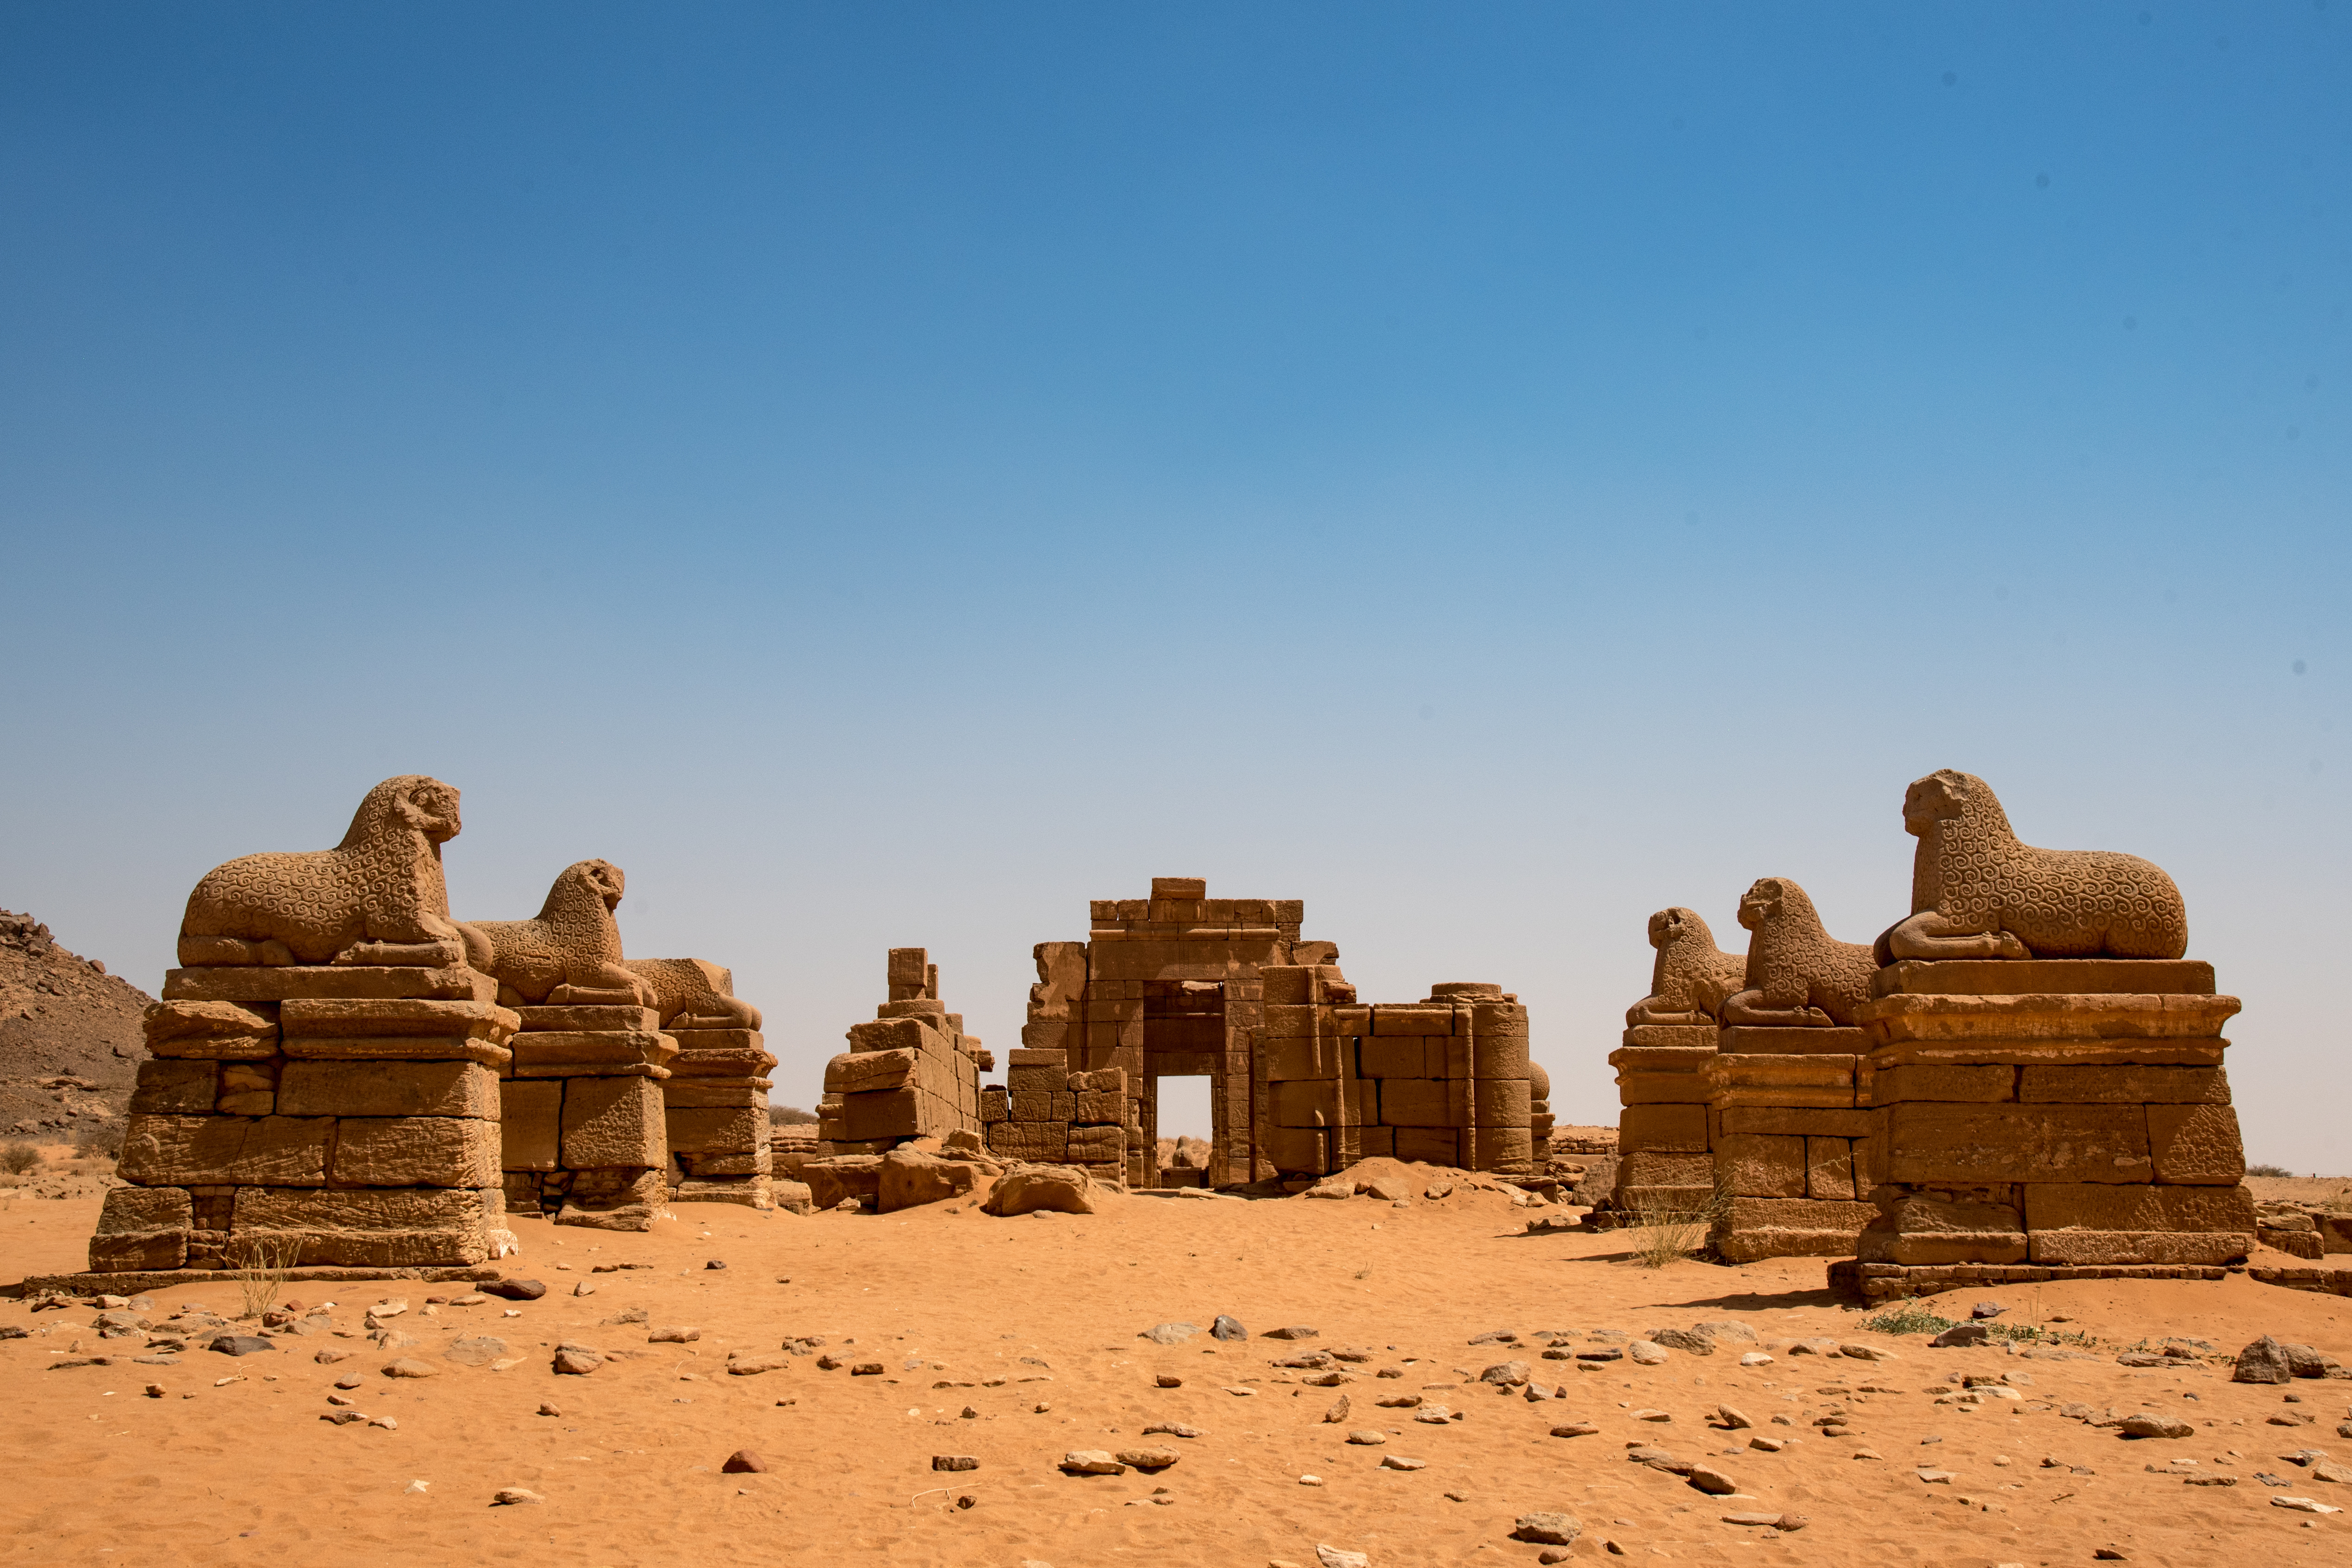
(791, 1116)
(1906, 1318)
(2268, 1171)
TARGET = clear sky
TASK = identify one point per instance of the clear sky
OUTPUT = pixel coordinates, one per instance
(884, 474)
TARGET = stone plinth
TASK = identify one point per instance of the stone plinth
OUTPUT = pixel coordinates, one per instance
(584, 1139)
(1663, 1140)
(313, 1115)
(1788, 1150)
(715, 1107)
(2053, 1112)
(911, 1073)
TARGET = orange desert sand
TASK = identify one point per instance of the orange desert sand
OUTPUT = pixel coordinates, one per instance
(1016, 1341)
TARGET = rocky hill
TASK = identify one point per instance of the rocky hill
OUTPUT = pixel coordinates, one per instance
(69, 1038)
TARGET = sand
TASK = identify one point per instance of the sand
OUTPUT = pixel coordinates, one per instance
(1034, 1322)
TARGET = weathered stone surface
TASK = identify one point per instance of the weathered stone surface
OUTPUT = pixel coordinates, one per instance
(210, 1030)
(1675, 1129)
(1026, 1188)
(1951, 1083)
(2096, 1084)
(1548, 1529)
(415, 1152)
(723, 1131)
(532, 1123)
(2043, 978)
(474, 1350)
(1964, 1143)
(2112, 1207)
(623, 1199)
(375, 1227)
(172, 1087)
(388, 1088)
(197, 1150)
(339, 982)
(325, 1017)
(1753, 1165)
(141, 1228)
(1785, 1120)
(2196, 1144)
(2264, 1361)
(843, 1176)
(869, 1071)
(2107, 1246)
(911, 1177)
(1888, 1019)
(1753, 1228)
(612, 1123)
(1945, 1227)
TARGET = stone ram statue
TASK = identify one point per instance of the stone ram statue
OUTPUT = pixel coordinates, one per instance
(1976, 893)
(1691, 976)
(377, 898)
(573, 945)
(695, 993)
(1797, 975)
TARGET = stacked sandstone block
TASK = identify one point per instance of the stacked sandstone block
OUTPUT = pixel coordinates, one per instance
(715, 1110)
(341, 1115)
(2053, 1111)
(911, 1073)
(584, 1139)
(1046, 1114)
(1444, 1081)
(1663, 1143)
(1783, 1127)
(323, 1081)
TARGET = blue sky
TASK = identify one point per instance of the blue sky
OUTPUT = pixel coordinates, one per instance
(885, 474)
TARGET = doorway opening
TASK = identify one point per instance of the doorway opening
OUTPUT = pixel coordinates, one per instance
(1183, 1037)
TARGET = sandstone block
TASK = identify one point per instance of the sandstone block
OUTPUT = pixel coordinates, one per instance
(1830, 1169)
(1307, 1102)
(1035, 1083)
(1036, 1142)
(1754, 1228)
(1429, 1145)
(530, 1123)
(553, 1054)
(1760, 1166)
(1500, 1056)
(1416, 1103)
(1028, 1188)
(2122, 1085)
(1397, 1056)
(612, 1123)
(1654, 1168)
(1052, 1035)
(1935, 1227)
(1500, 1148)
(1096, 1106)
(909, 1178)
(1929, 1144)
(891, 1034)
(141, 1228)
(589, 1019)
(389, 1089)
(843, 1176)
(1752, 1040)
(1413, 1020)
(1672, 1036)
(1677, 1127)
(345, 982)
(1298, 1150)
(229, 1151)
(759, 1163)
(1824, 1081)
(2107, 1206)
(1980, 1085)
(1293, 1059)
(625, 1199)
(1802, 1122)
(211, 1030)
(866, 1073)
(893, 1113)
(1503, 1102)
(176, 1087)
(374, 1228)
(2107, 1246)
(995, 1105)
(2196, 1143)
(415, 1152)
(1097, 1145)
(320, 1018)
(686, 1094)
(2042, 977)
(1663, 1088)
(2044, 1017)
(732, 1130)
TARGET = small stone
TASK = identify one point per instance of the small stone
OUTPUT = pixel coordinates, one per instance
(673, 1336)
(1651, 1416)
(1332, 1557)
(1295, 1331)
(1169, 1380)
(1548, 1529)
(1868, 1352)
(1398, 1462)
(1959, 1335)
(545, 1408)
(743, 1462)
(1983, 1309)
(1713, 1482)
(342, 1417)
(2264, 1361)
(329, 1357)
(2304, 1505)
(1241, 1391)
(476, 1350)
(405, 1367)
(507, 1496)
(1170, 1333)
(1227, 1328)
(1767, 1445)
(866, 1369)
(2149, 1425)
(514, 1290)
(1505, 1375)
(386, 1422)
(1576, 1429)
(1310, 1480)
(1647, 1353)
(1732, 1419)
(576, 1360)
(1338, 1412)
(1365, 1437)
(1756, 1358)
(713, 1263)
(1936, 1477)
(954, 1462)
(1091, 1462)
(1147, 1459)
(241, 1344)
(583, 1288)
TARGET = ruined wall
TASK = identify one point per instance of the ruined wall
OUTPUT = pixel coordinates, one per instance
(910, 1073)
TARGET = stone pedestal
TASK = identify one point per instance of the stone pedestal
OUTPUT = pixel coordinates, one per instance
(313, 1115)
(2056, 1112)
(1662, 1129)
(584, 1139)
(1785, 1140)
(716, 1107)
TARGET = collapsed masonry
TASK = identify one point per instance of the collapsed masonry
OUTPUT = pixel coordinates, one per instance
(1304, 1079)
(911, 1073)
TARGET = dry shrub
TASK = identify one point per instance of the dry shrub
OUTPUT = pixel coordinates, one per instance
(19, 1158)
(263, 1264)
(1667, 1233)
